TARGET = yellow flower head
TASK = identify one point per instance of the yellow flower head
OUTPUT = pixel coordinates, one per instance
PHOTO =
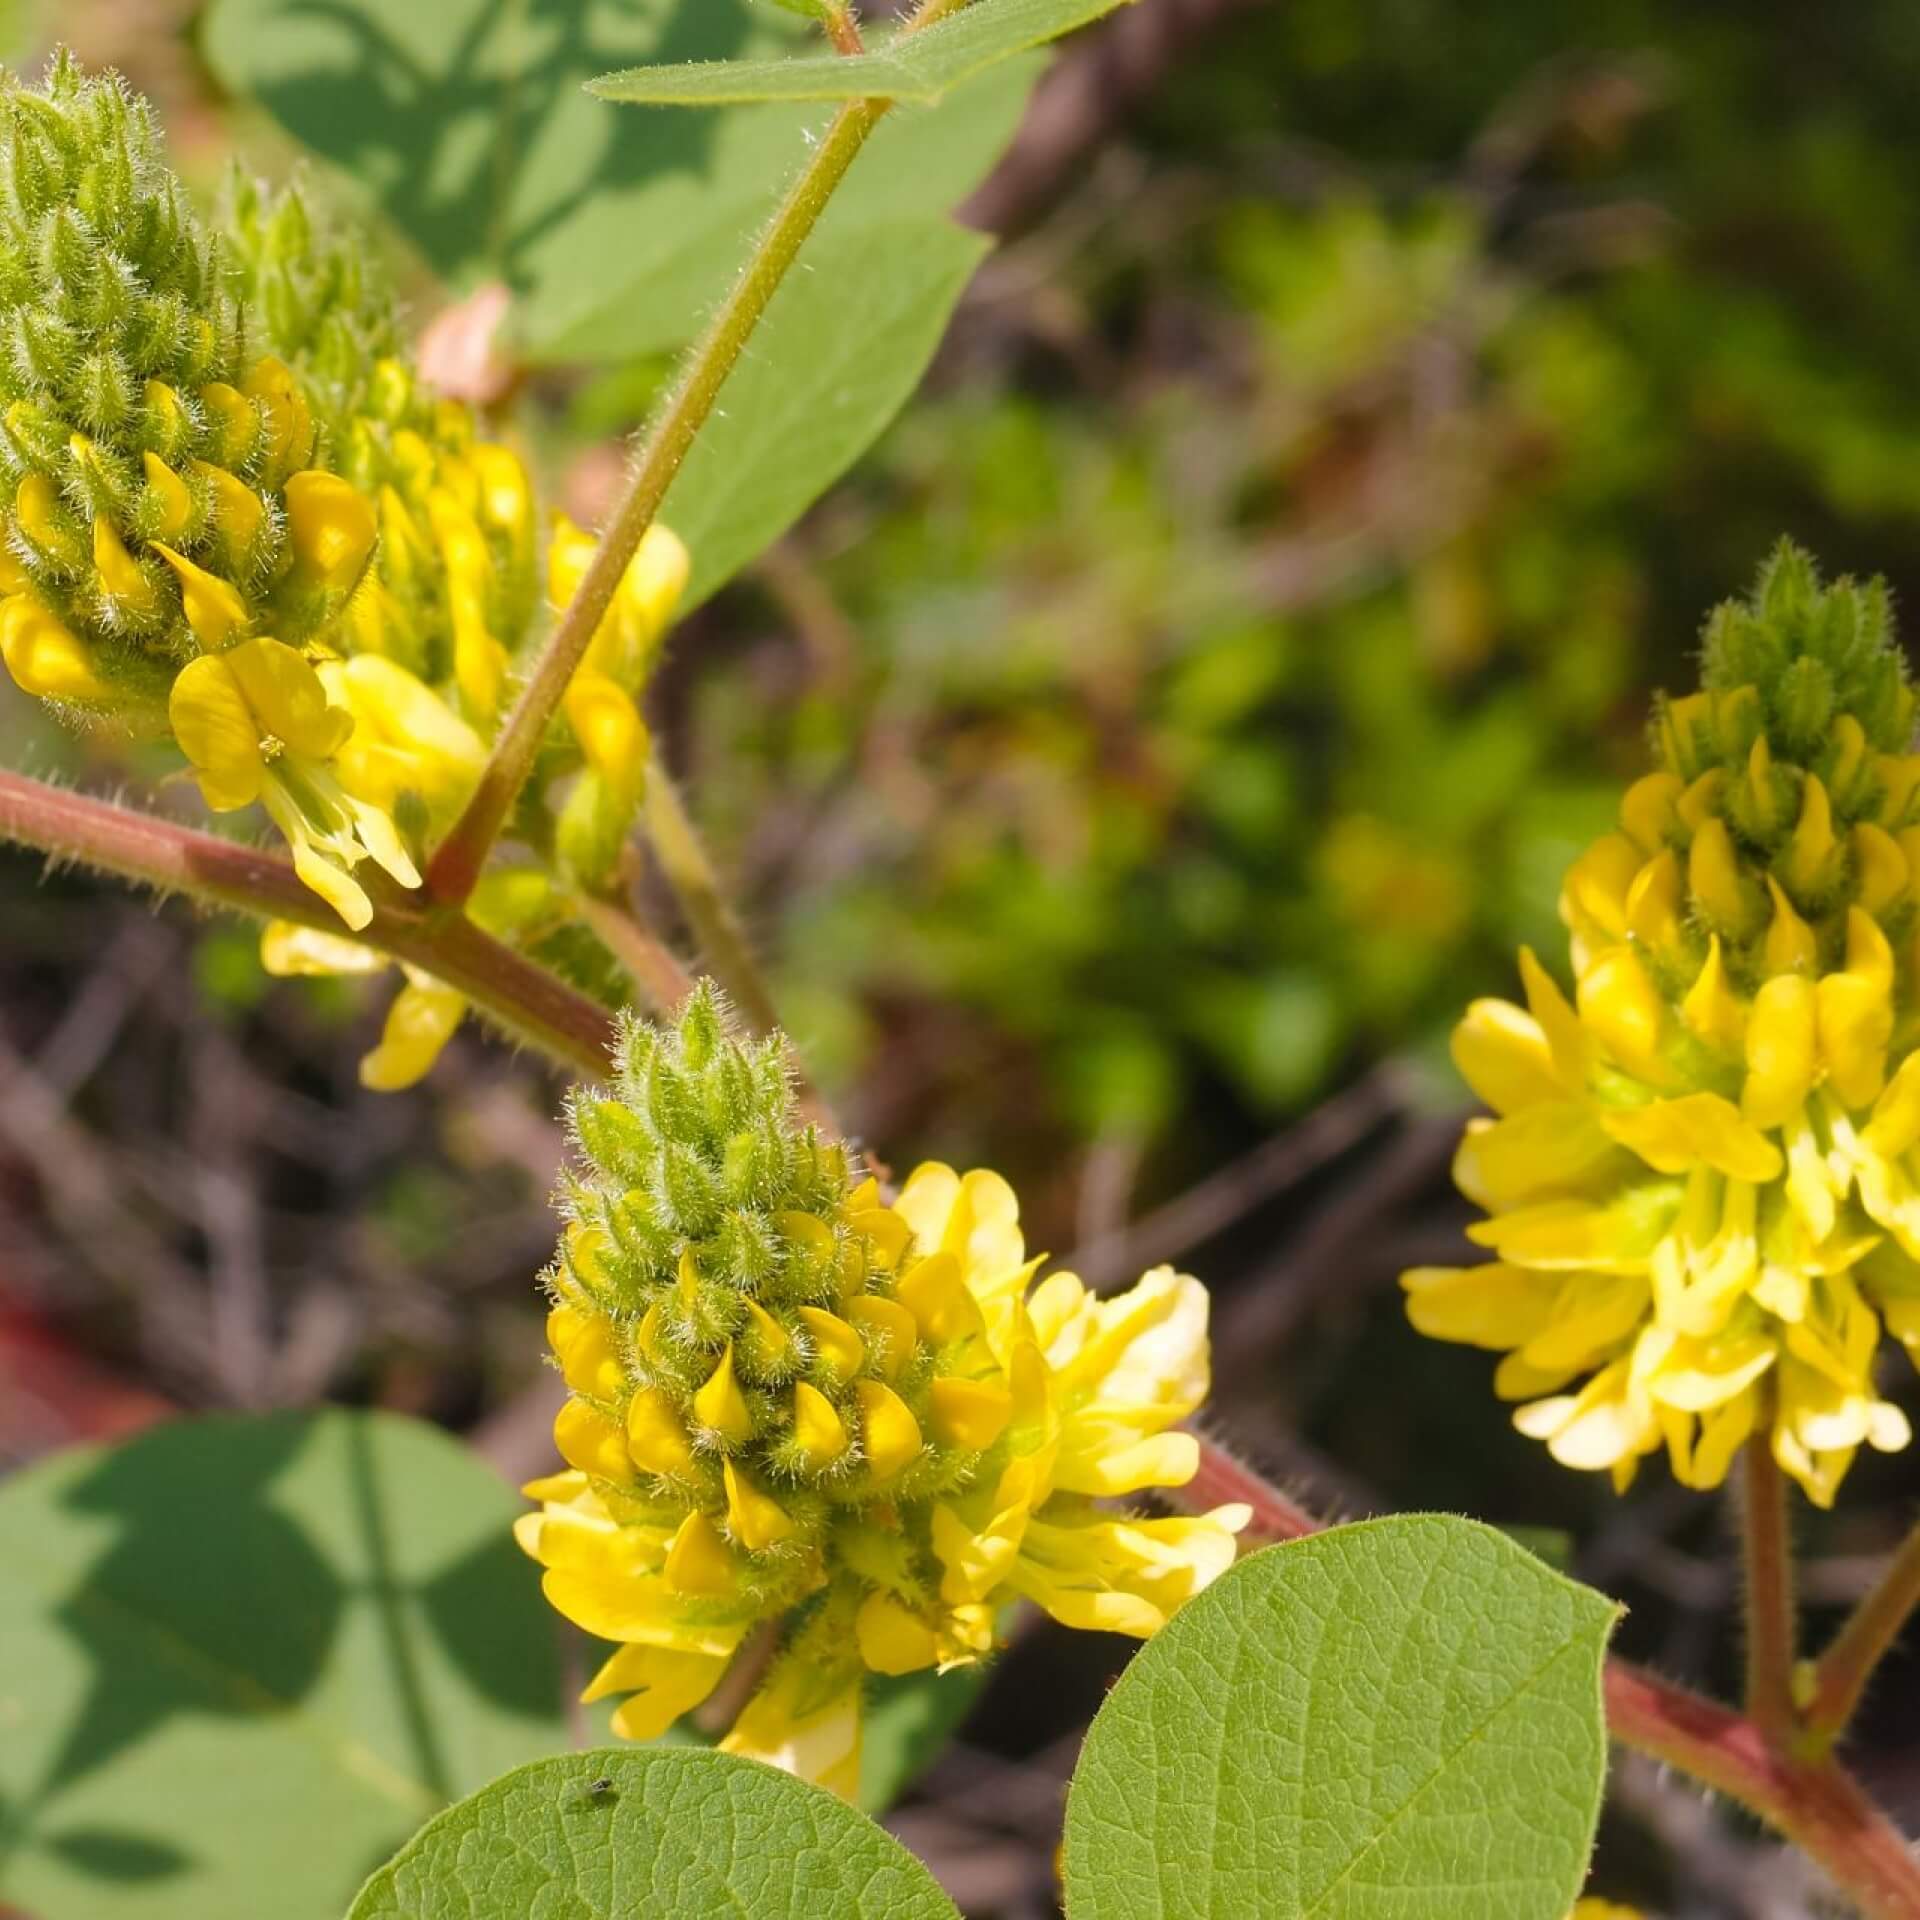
(256, 723)
(1702, 1189)
(792, 1402)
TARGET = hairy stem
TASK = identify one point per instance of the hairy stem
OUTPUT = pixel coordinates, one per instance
(1817, 1805)
(689, 872)
(456, 864)
(1841, 1674)
(1767, 1558)
(650, 965)
(523, 998)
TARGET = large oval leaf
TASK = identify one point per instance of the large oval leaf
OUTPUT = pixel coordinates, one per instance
(618, 1835)
(242, 1659)
(1391, 1719)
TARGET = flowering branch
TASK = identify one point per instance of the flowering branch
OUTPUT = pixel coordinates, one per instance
(528, 1001)
(1816, 1804)
(1841, 1674)
(455, 866)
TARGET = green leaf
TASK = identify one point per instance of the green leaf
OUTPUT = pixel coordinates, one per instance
(617, 1834)
(1391, 1719)
(911, 66)
(467, 125)
(842, 347)
(245, 1658)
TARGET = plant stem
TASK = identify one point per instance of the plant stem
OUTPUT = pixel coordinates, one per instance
(523, 998)
(455, 866)
(1816, 1804)
(689, 872)
(651, 966)
(1841, 1674)
(1767, 1554)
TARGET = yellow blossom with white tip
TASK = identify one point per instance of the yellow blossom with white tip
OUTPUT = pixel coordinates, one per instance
(1700, 1176)
(793, 1403)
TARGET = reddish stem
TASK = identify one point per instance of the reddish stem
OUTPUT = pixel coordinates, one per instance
(524, 998)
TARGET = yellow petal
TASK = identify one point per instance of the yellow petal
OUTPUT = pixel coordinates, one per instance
(423, 1017)
(608, 726)
(587, 1439)
(935, 1293)
(331, 528)
(893, 1637)
(969, 1413)
(1648, 811)
(1700, 1129)
(821, 1744)
(662, 1683)
(721, 1407)
(217, 731)
(1719, 887)
(1557, 1021)
(1808, 865)
(214, 610)
(699, 1562)
(1712, 1010)
(1855, 1014)
(1495, 1306)
(1621, 1006)
(1895, 1125)
(583, 1344)
(817, 1427)
(890, 1432)
(837, 1349)
(287, 951)
(888, 1329)
(1503, 1056)
(765, 1345)
(237, 510)
(757, 1520)
(656, 1437)
(1790, 945)
(1782, 1051)
(1879, 866)
(44, 658)
(287, 422)
(175, 502)
(118, 571)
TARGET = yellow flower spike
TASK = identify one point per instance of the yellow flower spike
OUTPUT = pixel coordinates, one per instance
(893, 1638)
(331, 528)
(587, 1439)
(238, 512)
(1790, 944)
(176, 503)
(236, 421)
(969, 1413)
(817, 1427)
(1650, 811)
(424, 1016)
(1855, 1013)
(1807, 866)
(756, 1519)
(656, 1439)
(1715, 880)
(765, 1345)
(214, 610)
(1880, 867)
(118, 571)
(890, 1432)
(838, 1350)
(720, 1406)
(1712, 1010)
(583, 1344)
(42, 518)
(891, 1333)
(699, 1562)
(286, 420)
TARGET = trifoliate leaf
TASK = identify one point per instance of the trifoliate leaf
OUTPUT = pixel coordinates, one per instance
(1395, 1719)
(246, 1658)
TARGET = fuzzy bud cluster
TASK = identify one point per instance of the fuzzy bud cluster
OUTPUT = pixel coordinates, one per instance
(750, 1354)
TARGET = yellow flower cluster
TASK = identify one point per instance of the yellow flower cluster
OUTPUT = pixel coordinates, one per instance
(1702, 1180)
(794, 1403)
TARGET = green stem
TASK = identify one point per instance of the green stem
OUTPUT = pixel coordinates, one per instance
(523, 998)
(1817, 1805)
(689, 872)
(1841, 1674)
(649, 964)
(1767, 1553)
(456, 865)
